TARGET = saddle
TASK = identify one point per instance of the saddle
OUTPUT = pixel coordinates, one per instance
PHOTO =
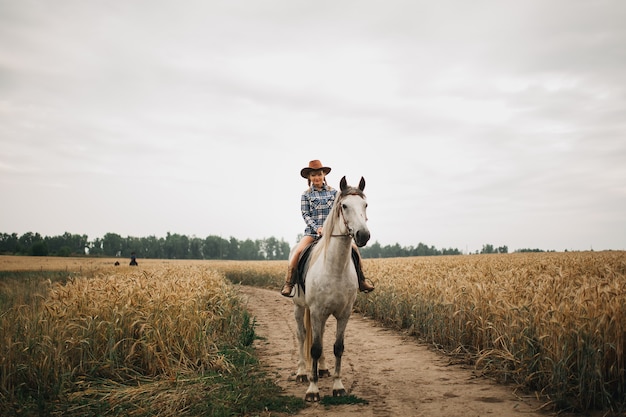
(303, 263)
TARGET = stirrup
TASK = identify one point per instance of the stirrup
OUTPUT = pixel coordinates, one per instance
(289, 286)
(366, 290)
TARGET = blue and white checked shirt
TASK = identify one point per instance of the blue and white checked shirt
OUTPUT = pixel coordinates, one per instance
(316, 206)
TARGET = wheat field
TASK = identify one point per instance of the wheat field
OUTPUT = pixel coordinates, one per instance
(122, 336)
(553, 323)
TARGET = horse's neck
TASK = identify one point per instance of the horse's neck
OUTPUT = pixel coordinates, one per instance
(338, 251)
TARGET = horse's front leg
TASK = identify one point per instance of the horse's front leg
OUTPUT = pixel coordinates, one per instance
(322, 370)
(338, 347)
(301, 374)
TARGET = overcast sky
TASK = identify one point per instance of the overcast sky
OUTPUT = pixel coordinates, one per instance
(473, 122)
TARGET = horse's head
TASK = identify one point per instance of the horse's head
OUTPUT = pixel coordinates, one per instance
(352, 207)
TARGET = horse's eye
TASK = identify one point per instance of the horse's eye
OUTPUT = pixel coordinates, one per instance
(344, 206)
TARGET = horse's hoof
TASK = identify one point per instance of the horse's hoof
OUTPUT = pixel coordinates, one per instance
(302, 378)
(312, 397)
(323, 373)
(339, 393)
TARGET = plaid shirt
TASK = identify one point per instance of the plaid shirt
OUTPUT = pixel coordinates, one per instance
(315, 206)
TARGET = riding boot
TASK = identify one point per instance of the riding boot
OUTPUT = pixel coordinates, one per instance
(364, 286)
(289, 282)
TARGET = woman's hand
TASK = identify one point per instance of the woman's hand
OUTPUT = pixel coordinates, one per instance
(319, 231)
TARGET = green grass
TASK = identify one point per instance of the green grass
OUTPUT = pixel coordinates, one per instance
(348, 399)
(245, 391)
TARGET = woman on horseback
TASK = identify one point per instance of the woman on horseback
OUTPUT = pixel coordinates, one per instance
(316, 203)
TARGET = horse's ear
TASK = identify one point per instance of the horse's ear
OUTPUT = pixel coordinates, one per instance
(362, 184)
(343, 184)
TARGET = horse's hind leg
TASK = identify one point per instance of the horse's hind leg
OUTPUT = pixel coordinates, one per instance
(317, 323)
(301, 374)
(338, 388)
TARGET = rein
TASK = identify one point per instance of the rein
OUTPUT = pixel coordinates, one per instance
(348, 233)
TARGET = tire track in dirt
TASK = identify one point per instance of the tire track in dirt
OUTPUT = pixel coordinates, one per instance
(396, 374)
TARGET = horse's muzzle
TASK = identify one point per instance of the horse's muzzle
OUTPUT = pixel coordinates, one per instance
(361, 238)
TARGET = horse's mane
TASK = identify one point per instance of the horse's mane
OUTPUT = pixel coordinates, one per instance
(333, 216)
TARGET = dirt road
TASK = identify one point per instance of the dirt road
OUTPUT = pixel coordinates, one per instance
(396, 374)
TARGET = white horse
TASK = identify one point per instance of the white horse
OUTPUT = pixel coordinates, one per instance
(330, 288)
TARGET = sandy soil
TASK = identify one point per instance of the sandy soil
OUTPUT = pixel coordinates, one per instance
(396, 374)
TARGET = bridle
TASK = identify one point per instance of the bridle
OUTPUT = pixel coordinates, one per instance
(349, 232)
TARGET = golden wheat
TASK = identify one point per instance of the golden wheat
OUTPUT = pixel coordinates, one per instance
(551, 322)
(119, 325)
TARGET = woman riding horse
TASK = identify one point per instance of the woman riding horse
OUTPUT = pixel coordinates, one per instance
(330, 288)
(316, 203)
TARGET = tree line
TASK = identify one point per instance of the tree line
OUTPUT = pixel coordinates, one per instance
(172, 246)
(177, 246)
(375, 250)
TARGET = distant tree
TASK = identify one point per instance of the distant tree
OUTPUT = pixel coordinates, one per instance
(487, 249)
(451, 251)
(267, 248)
(182, 247)
(195, 248)
(233, 248)
(423, 250)
(75, 243)
(27, 240)
(9, 243)
(112, 243)
(95, 247)
(249, 250)
(372, 251)
(215, 247)
(490, 249)
(39, 248)
(176, 246)
(64, 251)
(391, 251)
(273, 249)
(283, 250)
(151, 247)
(132, 244)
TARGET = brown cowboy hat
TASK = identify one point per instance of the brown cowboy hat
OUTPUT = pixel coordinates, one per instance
(314, 165)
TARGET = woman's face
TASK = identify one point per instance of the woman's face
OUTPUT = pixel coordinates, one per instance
(317, 178)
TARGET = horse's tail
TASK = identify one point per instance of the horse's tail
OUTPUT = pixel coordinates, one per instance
(308, 338)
